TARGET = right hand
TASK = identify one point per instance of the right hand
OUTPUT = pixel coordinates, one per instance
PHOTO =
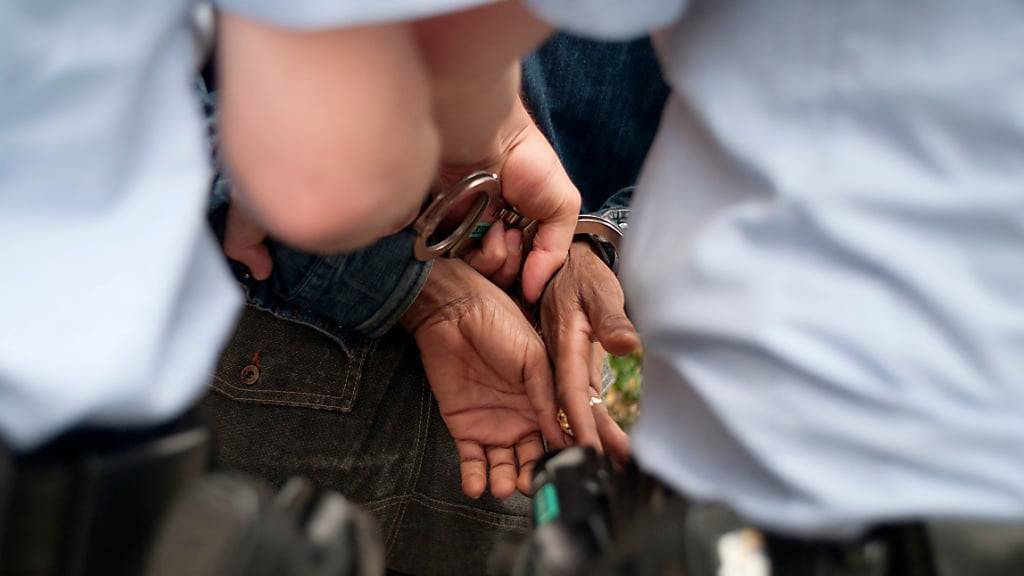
(499, 257)
(583, 314)
(535, 183)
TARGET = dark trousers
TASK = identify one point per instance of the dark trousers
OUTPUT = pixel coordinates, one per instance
(359, 419)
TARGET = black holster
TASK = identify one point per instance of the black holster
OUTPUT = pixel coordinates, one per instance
(90, 501)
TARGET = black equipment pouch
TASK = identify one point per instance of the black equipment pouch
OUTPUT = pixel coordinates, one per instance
(572, 512)
(5, 487)
(89, 502)
(234, 525)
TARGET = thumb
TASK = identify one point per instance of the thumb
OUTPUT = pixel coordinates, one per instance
(534, 181)
(256, 257)
(244, 242)
(611, 327)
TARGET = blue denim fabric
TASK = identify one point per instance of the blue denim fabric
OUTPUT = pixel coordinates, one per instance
(360, 294)
(599, 104)
(616, 207)
(363, 293)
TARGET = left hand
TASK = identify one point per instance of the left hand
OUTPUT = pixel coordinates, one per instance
(489, 371)
(584, 305)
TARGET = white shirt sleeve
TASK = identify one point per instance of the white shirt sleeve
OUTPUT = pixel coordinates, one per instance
(608, 19)
(316, 14)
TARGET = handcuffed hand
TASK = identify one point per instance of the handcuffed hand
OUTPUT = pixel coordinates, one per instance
(583, 306)
(489, 371)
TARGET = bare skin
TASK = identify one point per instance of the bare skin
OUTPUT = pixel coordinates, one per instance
(489, 371)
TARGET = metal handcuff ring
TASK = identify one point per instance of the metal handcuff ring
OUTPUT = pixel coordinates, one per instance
(488, 208)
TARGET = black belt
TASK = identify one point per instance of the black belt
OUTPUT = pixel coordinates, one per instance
(90, 502)
(920, 548)
(667, 533)
(903, 549)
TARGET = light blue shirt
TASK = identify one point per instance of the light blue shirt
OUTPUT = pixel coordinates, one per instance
(826, 258)
(115, 300)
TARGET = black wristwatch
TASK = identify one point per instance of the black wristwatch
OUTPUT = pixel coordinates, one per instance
(603, 234)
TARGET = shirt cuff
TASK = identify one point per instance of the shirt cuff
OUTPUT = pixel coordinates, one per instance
(608, 19)
(319, 14)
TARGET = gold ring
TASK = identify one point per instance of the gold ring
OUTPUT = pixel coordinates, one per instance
(563, 422)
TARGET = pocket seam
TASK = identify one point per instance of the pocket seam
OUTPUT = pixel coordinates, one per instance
(342, 402)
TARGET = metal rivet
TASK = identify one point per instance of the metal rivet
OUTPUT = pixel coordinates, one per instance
(250, 374)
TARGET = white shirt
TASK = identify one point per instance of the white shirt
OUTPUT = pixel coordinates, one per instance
(115, 300)
(826, 258)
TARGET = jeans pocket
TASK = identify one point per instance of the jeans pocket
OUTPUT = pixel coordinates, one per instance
(263, 364)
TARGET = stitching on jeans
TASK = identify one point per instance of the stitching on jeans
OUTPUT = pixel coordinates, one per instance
(497, 516)
(419, 458)
(313, 270)
(388, 501)
(485, 516)
(354, 374)
(270, 391)
(523, 524)
(385, 506)
(312, 405)
(291, 317)
(346, 399)
(482, 516)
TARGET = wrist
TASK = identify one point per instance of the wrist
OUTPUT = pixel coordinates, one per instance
(602, 235)
(439, 298)
(479, 120)
(583, 248)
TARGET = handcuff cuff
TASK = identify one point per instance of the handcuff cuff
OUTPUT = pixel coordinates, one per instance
(489, 207)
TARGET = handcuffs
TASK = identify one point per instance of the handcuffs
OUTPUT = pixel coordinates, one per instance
(488, 208)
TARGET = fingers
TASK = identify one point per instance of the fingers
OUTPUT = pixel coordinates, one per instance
(493, 251)
(614, 441)
(506, 275)
(500, 255)
(244, 242)
(572, 367)
(605, 307)
(528, 451)
(503, 471)
(473, 466)
(540, 388)
(534, 181)
(597, 364)
(616, 333)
